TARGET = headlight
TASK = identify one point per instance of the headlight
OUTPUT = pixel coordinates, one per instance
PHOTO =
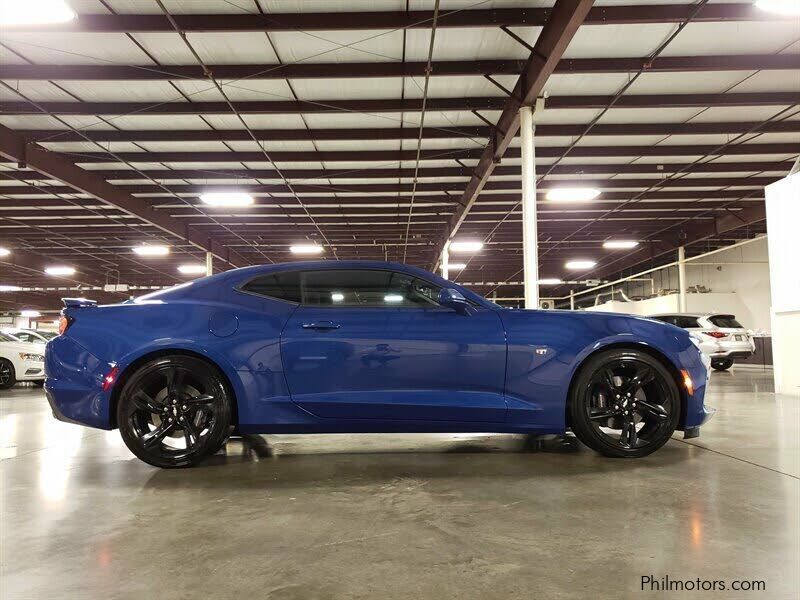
(33, 357)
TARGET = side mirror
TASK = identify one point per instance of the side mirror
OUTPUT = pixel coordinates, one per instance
(452, 298)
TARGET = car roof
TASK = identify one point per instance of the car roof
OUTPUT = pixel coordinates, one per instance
(241, 275)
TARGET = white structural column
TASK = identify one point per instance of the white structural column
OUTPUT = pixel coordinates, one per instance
(209, 264)
(530, 241)
(571, 300)
(446, 261)
(682, 279)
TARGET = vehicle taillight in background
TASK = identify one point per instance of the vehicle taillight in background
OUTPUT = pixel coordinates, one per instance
(716, 334)
(63, 324)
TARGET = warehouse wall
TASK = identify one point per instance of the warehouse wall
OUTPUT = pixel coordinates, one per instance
(741, 288)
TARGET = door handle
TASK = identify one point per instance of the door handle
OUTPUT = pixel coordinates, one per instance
(321, 325)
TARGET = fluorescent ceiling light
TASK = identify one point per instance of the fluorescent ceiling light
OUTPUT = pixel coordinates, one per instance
(30, 313)
(9, 288)
(578, 265)
(35, 12)
(620, 244)
(337, 296)
(781, 7)
(60, 271)
(572, 194)
(306, 249)
(4, 251)
(550, 281)
(456, 266)
(465, 246)
(226, 199)
(393, 298)
(145, 250)
(192, 269)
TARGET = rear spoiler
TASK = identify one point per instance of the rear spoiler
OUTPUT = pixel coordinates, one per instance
(78, 303)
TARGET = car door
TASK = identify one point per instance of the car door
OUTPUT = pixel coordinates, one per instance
(374, 344)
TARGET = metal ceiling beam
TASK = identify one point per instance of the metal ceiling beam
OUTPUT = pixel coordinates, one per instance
(447, 154)
(436, 186)
(683, 235)
(34, 263)
(651, 101)
(386, 173)
(56, 166)
(45, 72)
(397, 133)
(509, 17)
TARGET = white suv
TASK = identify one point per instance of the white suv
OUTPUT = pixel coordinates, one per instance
(721, 336)
(20, 361)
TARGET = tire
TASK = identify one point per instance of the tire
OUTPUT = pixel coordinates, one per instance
(174, 411)
(722, 364)
(8, 376)
(626, 390)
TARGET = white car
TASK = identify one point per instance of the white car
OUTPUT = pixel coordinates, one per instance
(721, 336)
(20, 361)
(30, 335)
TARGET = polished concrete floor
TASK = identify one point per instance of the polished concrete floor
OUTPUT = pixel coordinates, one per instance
(402, 516)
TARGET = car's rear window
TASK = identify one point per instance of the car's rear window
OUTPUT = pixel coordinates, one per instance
(726, 321)
(283, 286)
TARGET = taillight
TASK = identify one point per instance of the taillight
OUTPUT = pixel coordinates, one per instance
(63, 324)
(716, 334)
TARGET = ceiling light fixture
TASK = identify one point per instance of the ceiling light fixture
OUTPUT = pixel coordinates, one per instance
(572, 194)
(30, 313)
(620, 244)
(337, 296)
(38, 12)
(789, 8)
(550, 281)
(580, 265)
(306, 249)
(226, 199)
(4, 251)
(145, 250)
(393, 298)
(9, 288)
(456, 266)
(60, 271)
(192, 269)
(466, 246)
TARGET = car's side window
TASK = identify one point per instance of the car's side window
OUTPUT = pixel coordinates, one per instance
(366, 288)
(26, 337)
(687, 322)
(281, 286)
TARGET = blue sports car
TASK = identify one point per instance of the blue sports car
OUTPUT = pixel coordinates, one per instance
(335, 347)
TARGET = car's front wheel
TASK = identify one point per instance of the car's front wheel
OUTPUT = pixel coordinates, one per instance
(174, 411)
(7, 376)
(722, 364)
(624, 403)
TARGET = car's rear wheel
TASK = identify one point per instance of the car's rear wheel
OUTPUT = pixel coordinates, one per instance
(624, 403)
(174, 411)
(7, 375)
(722, 364)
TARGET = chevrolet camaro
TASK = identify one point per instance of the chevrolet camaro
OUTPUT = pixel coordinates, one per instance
(342, 347)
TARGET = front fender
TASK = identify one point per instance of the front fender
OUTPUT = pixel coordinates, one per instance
(546, 348)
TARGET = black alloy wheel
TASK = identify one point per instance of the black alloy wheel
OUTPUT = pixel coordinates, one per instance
(7, 376)
(624, 404)
(174, 411)
(722, 364)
